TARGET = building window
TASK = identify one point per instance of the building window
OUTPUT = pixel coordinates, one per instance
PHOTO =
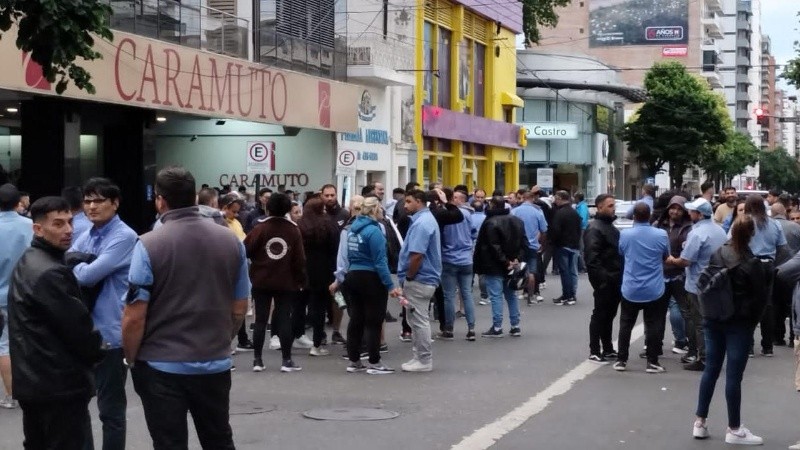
(427, 84)
(742, 105)
(478, 80)
(464, 71)
(443, 66)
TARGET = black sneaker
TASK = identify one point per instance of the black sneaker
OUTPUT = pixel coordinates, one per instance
(559, 300)
(384, 348)
(357, 366)
(696, 366)
(258, 365)
(654, 367)
(446, 335)
(379, 369)
(768, 353)
(598, 359)
(643, 354)
(612, 355)
(390, 318)
(515, 331)
(471, 335)
(337, 338)
(686, 359)
(290, 366)
(570, 301)
(620, 366)
(245, 346)
(751, 353)
(405, 337)
(492, 333)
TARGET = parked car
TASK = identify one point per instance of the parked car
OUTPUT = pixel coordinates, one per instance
(621, 208)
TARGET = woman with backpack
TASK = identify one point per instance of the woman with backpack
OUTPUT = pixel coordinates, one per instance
(728, 324)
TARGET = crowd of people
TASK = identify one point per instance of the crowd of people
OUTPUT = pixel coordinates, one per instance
(88, 301)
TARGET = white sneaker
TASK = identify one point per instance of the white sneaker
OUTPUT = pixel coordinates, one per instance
(303, 342)
(319, 351)
(416, 366)
(275, 343)
(699, 430)
(742, 436)
(542, 286)
(8, 403)
(795, 446)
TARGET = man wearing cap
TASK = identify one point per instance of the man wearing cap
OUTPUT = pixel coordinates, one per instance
(17, 232)
(703, 240)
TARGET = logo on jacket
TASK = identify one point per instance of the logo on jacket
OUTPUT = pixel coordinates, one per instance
(366, 110)
(277, 248)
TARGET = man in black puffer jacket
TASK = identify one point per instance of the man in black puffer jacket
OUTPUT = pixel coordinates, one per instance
(501, 244)
(54, 345)
(565, 235)
(604, 266)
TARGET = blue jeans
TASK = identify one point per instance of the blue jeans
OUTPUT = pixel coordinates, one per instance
(497, 288)
(567, 262)
(734, 340)
(460, 277)
(676, 322)
(112, 402)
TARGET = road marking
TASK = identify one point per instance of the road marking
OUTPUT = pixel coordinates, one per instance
(488, 435)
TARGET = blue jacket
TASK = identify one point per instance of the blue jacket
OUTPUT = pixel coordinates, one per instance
(457, 241)
(583, 210)
(366, 249)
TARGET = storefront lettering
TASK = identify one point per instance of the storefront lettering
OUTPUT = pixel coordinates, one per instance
(209, 88)
(542, 131)
(367, 156)
(368, 136)
(264, 180)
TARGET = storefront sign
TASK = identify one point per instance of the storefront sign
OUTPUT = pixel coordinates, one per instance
(670, 52)
(138, 71)
(273, 180)
(260, 157)
(550, 130)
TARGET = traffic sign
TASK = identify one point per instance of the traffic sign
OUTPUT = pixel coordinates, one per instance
(260, 157)
(346, 163)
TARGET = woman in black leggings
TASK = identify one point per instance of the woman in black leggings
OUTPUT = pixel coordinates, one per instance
(368, 282)
(277, 272)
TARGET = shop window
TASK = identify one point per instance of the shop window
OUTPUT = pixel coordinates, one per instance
(427, 144)
(427, 78)
(444, 146)
(478, 80)
(479, 149)
(464, 71)
(443, 66)
(508, 114)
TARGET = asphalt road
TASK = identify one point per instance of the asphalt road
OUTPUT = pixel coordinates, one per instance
(535, 391)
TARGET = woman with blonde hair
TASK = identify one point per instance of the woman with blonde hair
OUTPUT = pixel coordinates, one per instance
(367, 281)
(728, 325)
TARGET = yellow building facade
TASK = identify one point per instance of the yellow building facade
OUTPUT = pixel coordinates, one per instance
(465, 101)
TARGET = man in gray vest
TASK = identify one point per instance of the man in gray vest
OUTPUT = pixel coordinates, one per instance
(188, 297)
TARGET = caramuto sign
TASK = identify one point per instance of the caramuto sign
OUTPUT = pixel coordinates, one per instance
(550, 130)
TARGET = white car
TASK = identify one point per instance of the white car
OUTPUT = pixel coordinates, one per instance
(621, 208)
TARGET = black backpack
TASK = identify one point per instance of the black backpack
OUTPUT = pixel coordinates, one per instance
(720, 301)
(715, 292)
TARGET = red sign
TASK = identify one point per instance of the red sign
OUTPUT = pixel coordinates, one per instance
(672, 33)
(324, 104)
(672, 52)
(34, 76)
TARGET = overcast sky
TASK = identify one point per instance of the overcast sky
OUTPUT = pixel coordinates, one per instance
(779, 20)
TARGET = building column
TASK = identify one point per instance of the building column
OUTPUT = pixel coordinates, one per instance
(43, 144)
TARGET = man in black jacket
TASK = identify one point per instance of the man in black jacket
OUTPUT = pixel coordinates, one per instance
(565, 235)
(500, 246)
(604, 266)
(54, 345)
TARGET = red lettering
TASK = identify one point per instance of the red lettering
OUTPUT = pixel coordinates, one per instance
(196, 85)
(126, 97)
(279, 117)
(221, 93)
(266, 77)
(249, 93)
(171, 78)
(149, 64)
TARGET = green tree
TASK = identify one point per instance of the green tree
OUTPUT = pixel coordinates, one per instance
(779, 170)
(56, 33)
(679, 124)
(731, 158)
(536, 13)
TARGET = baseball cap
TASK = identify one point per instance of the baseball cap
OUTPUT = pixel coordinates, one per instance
(700, 205)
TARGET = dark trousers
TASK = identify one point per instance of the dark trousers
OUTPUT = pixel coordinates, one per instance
(601, 325)
(281, 320)
(654, 313)
(696, 326)
(404, 322)
(782, 299)
(167, 398)
(318, 301)
(298, 323)
(56, 425)
(367, 307)
(241, 336)
(675, 288)
(438, 304)
(110, 377)
(732, 340)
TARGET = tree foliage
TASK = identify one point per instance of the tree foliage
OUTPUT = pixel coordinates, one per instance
(779, 170)
(56, 33)
(731, 158)
(681, 123)
(536, 13)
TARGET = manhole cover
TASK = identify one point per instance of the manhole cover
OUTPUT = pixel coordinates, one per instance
(249, 408)
(354, 414)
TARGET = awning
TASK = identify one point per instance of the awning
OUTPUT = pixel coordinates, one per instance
(511, 99)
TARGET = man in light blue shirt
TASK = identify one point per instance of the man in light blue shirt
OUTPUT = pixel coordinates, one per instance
(17, 233)
(648, 192)
(419, 272)
(644, 249)
(110, 242)
(703, 240)
(457, 268)
(535, 227)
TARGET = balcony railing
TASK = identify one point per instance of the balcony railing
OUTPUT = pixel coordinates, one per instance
(194, 26)
(377, 51)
